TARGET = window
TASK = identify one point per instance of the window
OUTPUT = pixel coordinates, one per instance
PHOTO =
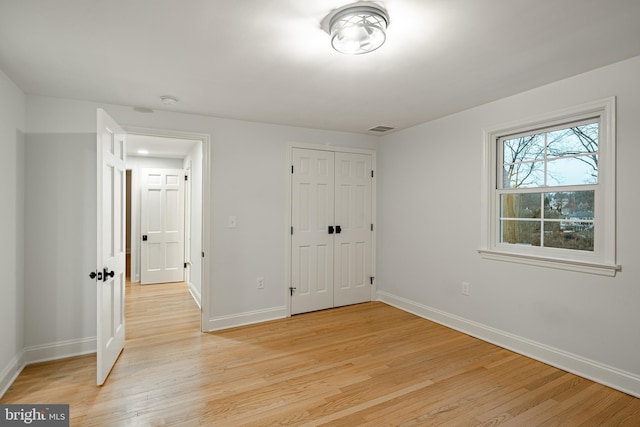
(550, 190)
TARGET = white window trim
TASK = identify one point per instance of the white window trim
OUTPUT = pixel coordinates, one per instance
(603, 260)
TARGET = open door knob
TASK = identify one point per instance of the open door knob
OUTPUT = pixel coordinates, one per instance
(94, 274)
(107, 273)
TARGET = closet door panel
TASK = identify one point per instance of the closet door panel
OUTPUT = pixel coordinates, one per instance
(312, 247)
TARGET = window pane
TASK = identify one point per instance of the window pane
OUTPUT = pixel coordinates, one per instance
(522, 149)
(576, 140)
(577, 235)
(578, 205)
(573, 170)
(520, 232)
(525, 205)
(523, 175)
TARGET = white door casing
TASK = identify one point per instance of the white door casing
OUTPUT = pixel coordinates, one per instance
(330, 267)
(187, 224)
(111, 245)
(162, 222)
(352, 267)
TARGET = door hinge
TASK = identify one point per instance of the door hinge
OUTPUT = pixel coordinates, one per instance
(292, 230)
(185, 265)
(202, 254)
(372, 173)
(371, 227)
(291, 168)
(371, 279)
(186, 177)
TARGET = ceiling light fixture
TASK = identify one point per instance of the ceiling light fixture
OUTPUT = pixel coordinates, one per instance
(358, 28)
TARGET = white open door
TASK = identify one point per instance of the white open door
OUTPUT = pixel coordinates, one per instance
(111, 175)
(162, 226)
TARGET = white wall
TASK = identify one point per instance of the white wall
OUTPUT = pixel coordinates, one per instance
(429, 233)
(193, 161)
(249, 175)
(12, 128)
(60, 298)
(136, 163)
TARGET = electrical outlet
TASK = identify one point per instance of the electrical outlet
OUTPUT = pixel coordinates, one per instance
(465, 288)
(260, 281)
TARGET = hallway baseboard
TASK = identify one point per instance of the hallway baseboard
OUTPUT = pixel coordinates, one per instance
(195, 293)
(59, 350)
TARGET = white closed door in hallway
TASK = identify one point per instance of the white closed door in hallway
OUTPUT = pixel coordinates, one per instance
(162, 226)
(331, 229)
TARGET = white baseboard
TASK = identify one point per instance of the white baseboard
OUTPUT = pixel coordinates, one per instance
(607, 375)
(195, 293)
(11, 372)
(43, 353)
(247, 318)
(59, 350)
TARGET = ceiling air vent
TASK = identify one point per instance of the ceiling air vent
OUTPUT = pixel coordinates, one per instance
(381, 129)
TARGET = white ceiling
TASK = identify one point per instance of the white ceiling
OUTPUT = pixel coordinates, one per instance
(269, 60)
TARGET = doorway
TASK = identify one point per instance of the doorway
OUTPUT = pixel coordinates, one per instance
(159, 150)
(111, 149)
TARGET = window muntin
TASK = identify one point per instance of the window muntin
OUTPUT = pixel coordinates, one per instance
(563, 159)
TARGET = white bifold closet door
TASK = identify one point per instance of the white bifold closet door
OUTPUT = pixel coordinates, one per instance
(331, 229)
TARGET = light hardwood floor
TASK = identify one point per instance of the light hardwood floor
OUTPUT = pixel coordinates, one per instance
(368, 364)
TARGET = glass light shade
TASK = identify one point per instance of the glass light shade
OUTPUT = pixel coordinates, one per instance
(358, 30)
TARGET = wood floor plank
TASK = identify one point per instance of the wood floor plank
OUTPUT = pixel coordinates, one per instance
(367, 364)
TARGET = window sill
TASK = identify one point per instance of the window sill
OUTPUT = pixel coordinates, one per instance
(562, 264)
